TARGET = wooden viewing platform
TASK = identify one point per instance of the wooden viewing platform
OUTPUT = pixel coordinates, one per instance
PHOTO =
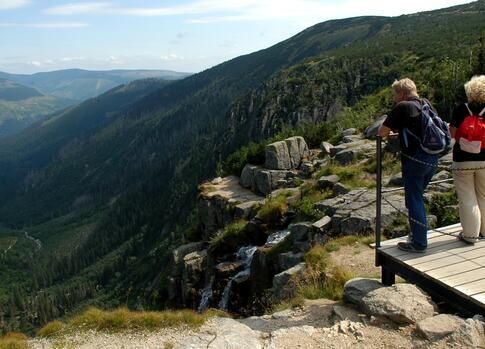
(450, 270)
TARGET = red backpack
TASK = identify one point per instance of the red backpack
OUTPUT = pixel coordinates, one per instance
(471, 133)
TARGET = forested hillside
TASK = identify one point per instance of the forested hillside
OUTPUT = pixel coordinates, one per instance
(107, 187)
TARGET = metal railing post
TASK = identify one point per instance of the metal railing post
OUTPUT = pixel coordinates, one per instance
(378, 195)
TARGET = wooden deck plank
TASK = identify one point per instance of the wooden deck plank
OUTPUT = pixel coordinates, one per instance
(479, 297)
(453, 269)
(463, 278)
(480, 261)
(438, 244)
(431, 235)
(472, 288)
(470, 252)
(439, 263)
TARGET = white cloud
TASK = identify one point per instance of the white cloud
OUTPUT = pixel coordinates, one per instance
(171, 57)
(79, 8)
(11, 4)
(300, 11)
(49, 25)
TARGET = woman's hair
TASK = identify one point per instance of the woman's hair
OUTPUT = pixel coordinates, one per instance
(406, 86)
(475, 89)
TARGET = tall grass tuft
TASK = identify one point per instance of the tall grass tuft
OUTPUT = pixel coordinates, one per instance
(123, 319)
(14, 340)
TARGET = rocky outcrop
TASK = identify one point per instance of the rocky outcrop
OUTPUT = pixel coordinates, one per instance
(356, 289)
(264, 181)
(345, 153)
(287, 154)
(221, 202)
(355, 212)
(284, 283)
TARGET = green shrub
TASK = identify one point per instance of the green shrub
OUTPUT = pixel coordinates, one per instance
(52, 329)
(233, 235)
(274, 209)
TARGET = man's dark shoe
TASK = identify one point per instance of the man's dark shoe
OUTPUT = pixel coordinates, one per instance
(410, 247)
(466, 240)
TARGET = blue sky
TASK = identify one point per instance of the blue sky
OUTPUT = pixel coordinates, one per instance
(182, 35)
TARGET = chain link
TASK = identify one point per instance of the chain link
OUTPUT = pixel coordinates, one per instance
(447, 168)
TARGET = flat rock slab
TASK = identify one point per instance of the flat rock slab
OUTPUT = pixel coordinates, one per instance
(229, 189)
(439, 326)
(223, 333)
(401, 303)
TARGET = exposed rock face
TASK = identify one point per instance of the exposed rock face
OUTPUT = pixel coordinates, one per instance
(401, 303)
(439, 326)
(345, 153)
(195, 265)
(264, 181)
(355, 212)
(263, 268)
(301, 233)
(287, 154)
(288, 260)
(284, 282)
(222, 202)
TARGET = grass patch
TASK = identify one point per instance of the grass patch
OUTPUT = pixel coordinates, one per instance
(305, 207)
(274, 209)
(351, 175)
(323, 279)
(123, 319)
(14, 341)
(336, 244)
(233, 235)
(440, 208)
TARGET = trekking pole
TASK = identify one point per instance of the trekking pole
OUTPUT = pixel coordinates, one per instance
(378, 195)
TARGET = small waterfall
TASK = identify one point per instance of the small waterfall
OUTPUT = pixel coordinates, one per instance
(205, 299)
(245, 255)
(276, 237)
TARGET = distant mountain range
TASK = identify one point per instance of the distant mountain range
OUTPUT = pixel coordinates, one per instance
(25, 99)
(79, 84)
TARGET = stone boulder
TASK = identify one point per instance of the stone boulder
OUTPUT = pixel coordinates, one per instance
(401, 303)
(284, 282)
(470, 334)
(340, 189)
(326, 148)
(327, 182)
(371, 130)
(180, 252)
(287, 154)
(439, 326)
(396, 180)
(358, 288)
(323, 224)
(349, 132)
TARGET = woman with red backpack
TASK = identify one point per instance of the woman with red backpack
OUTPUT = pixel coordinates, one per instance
(467, 126)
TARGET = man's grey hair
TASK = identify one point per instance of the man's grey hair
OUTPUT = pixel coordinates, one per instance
(406, 86)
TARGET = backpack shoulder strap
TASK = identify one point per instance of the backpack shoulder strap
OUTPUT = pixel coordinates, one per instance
(482, 112)
(469, 110)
